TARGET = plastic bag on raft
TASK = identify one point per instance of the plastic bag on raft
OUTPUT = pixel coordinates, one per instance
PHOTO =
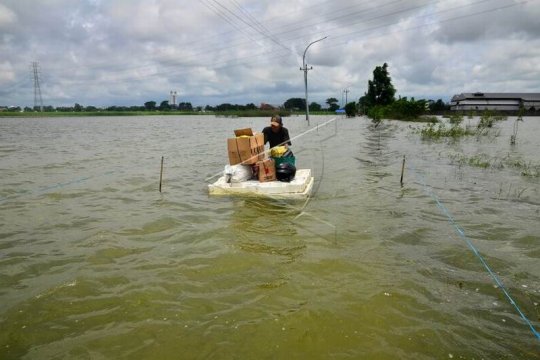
(237, 173)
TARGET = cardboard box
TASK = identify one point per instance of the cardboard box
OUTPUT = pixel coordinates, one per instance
(241, 132)
(246, 150)
(267, 170)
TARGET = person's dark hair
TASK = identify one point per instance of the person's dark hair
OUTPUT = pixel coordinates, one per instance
(277, 118)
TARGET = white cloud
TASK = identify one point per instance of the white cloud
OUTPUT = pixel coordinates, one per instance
(7, 73)
(7, 16)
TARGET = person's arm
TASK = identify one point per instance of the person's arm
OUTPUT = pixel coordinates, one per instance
(265, 132)
(286, 138)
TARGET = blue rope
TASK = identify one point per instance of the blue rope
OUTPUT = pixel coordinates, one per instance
(461, 232)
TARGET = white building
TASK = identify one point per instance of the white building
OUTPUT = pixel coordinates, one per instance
(495, 101)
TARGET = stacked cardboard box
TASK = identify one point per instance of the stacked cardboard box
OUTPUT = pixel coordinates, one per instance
(267, 170)
(246, 148)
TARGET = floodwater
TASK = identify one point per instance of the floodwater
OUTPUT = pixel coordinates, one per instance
(96, 263)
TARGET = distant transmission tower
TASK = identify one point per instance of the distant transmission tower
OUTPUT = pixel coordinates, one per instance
(37, 89)
(173, 98)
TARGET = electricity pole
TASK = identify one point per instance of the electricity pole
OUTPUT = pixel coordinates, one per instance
(305, 69)
(37, 89)
(346, 91)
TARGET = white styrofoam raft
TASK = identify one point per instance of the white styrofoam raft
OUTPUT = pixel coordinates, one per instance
(300, 186)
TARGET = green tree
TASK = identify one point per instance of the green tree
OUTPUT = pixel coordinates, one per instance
(226, 107)
(295, 104)
(164, 105)
(77, 107)
(438, 105)
(402, 109)
(185, 106)
(350, 109)
(315, 106)
(150, 105)
(380, 89)
(332, 104)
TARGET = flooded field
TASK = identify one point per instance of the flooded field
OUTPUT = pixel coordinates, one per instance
(95, 262)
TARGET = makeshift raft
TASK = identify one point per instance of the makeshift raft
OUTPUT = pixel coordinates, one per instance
(300, 187)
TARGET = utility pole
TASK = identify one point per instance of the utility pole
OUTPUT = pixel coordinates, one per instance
(37, 89)
(305, 69)
(346, 91)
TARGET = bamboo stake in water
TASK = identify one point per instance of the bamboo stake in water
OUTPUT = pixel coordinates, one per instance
(402, 170)
(161, 174)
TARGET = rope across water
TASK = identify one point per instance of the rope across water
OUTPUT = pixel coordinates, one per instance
(461, 232)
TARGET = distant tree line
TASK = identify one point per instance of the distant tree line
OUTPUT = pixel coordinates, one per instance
(299, 104)
(231, 107)
(148, 106)
(378, 102)
(292, 104)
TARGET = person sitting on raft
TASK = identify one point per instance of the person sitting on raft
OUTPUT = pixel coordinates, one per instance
(276, 134)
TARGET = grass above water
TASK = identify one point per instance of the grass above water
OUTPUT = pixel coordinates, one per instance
(484, 161)
(439, 131)
(485, 127)
(455, 130)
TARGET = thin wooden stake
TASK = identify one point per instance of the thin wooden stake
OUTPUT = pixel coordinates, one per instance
(161, 174)
(402, 170)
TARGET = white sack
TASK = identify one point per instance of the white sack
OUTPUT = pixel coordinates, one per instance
(237, 173)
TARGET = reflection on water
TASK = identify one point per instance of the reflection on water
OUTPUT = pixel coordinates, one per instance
(266, 226)
(96, 263)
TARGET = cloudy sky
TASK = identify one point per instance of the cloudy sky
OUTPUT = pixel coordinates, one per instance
(127, 52)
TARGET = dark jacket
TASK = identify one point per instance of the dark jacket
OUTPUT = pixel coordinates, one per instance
(276, 138)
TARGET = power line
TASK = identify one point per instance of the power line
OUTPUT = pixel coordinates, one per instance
(212, 49)
(228, 45)
(226, 17)
(264, 33)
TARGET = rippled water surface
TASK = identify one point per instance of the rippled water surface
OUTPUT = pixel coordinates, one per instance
(96, 263)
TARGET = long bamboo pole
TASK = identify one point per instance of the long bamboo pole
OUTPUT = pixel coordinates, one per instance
(402, 170)
(161, 174)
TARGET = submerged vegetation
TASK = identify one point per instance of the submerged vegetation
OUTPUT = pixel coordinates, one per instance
(513, 137)
(488, 118)
(484, 161)
(440, 130)
(454, 128)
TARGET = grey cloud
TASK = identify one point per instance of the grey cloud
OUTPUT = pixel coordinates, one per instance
(509, 19)
(126, 52)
